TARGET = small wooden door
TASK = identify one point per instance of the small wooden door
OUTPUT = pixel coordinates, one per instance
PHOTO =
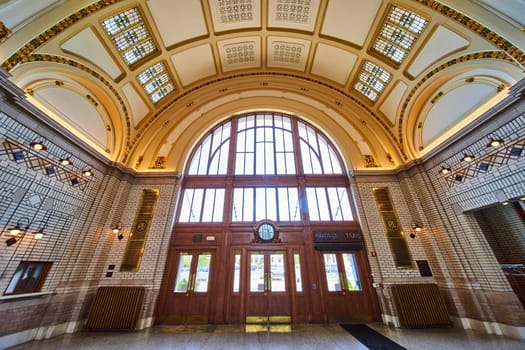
(346, 288)
(188, 300)
(268, 295)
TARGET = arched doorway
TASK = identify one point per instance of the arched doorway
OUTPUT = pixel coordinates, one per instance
(265, 231)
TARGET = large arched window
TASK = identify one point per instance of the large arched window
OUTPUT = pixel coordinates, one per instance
(265, 166)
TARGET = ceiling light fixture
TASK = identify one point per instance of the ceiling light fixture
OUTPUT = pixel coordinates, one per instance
(38, 146)
(495, 142)
(87, 173)
(445, 170)
(65, 161)
(468, 158)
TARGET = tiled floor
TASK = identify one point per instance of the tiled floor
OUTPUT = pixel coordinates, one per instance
(311, 336)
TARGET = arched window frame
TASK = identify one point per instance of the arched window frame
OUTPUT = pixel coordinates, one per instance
(271, 181)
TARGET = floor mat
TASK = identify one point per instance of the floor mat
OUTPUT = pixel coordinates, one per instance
(370, 338)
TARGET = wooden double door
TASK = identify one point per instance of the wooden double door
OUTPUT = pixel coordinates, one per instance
(188, 295)
(347, 287)
(268, 295)
(266, 287)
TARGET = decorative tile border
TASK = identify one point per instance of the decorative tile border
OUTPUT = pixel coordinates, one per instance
(42, 164)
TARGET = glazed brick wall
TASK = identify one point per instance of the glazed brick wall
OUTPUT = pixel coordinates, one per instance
(383, 266)
(80, 242)
(503, 228)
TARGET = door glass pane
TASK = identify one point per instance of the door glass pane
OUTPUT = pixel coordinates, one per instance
(332, 272)
(203, 272)
(277, 272)
(236, 273)
(183, 273)
(297, 269)
(352, 277)
(256, 272)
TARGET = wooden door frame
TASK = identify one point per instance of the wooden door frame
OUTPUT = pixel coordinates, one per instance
(170, 275)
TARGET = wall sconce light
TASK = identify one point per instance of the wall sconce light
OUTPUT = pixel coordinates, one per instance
(40, 233)
(495, 142)
(445, 170)
(65, 161)
(87, 173)
(467, 158)
(19, 227)
(417, 228)
(116, 229)
(38, 146)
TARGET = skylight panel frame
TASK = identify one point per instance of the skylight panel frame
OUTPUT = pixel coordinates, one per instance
(398, 33)
(372, 80)
(130, 35)
(156, 81)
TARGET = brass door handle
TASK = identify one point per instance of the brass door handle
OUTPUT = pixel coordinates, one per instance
(191, 286)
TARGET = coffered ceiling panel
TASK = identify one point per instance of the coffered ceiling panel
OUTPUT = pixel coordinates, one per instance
(333, 63)
(379, 70)
(293, 14)
(442, 42)
(177, 20)
(286, 52)
(87, 44)
(393, 101)
(350, 20)
(240, 53)
(139, 109)
(194, 64)
(235, 14)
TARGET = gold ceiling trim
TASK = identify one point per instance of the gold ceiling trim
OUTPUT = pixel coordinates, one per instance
(493, 55)
(466, 21)
(511, 53)
(159, 111)
(21, 56)
(70, 62)
(505, 45)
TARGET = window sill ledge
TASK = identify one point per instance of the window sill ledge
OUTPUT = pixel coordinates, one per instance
(23, 296)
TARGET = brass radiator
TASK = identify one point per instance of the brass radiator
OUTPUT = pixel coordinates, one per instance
(420, 306)
(115, 308)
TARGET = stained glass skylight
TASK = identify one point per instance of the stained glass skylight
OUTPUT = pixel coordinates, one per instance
(372, 80)
(156, 82)
(398, 34)
(130, 35)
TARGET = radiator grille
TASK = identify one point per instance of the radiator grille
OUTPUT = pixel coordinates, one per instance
(115, 308)
(420, 306)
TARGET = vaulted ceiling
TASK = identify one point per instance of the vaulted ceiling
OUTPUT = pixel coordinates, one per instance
(140, 81)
